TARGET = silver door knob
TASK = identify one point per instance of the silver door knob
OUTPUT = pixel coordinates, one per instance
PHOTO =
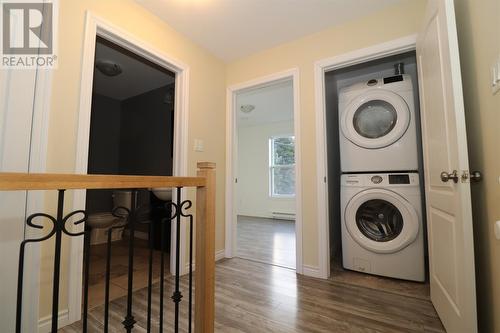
(445, 176)
(476, 176)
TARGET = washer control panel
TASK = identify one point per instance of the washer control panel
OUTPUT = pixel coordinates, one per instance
(380, 179)
(399, 179)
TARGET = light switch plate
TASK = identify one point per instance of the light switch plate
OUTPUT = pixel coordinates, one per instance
(198, 145)
(497, 229)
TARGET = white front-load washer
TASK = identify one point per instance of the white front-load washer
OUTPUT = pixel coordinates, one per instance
(378, 126)
(382, 227)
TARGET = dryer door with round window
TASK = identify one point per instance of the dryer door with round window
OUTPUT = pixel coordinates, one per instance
(381, 221)
(375, 119)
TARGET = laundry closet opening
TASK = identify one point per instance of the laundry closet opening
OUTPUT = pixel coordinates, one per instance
(375, 171)
(131, 133)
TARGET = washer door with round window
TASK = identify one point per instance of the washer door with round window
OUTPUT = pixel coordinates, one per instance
(381, 221)
(375, 119)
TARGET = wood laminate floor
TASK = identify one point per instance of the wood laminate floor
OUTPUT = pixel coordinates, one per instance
(256, 297)
(119, 269)
(270, 241)
(394, 286)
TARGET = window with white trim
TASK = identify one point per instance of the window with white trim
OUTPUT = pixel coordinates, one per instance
(282, 166)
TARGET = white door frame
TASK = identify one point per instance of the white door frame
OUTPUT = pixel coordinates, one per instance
(96, 26)
(382, 50)
(231, 158)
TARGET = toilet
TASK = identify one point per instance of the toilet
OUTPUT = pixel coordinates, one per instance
(102, 221)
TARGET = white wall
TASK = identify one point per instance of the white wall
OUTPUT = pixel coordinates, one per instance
(253, 197)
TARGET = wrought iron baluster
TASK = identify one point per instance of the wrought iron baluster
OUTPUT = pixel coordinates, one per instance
(186, 205)
(177, 295)
(165, 223)
(20, 274)
(108, 277)
(58, 228)
(129, 320)
(86, 277)
(125, 213)
(162, 270)
(150, 274)
(57, 261)
(190, 306)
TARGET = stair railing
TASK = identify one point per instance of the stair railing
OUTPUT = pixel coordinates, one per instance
(60, 224)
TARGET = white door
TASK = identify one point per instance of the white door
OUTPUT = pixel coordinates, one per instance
(17, 88)
(449, 216)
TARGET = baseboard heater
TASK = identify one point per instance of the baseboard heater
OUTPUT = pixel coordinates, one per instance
(283, 216)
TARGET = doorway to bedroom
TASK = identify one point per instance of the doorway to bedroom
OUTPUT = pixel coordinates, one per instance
(265, 202)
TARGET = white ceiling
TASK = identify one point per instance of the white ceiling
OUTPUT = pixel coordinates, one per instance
(232, 29)
(272, 103)
(137, 77)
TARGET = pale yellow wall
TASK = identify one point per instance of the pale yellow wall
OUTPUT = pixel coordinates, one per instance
(206, 102)
(391, 23)
(478, 25)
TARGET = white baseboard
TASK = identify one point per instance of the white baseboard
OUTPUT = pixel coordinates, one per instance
(263, 216)
(287, 216)
(45, 323)
(311, 271)
(272, 216)
(220, 254)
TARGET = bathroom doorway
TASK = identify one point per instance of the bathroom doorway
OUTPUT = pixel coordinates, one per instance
(131, 133)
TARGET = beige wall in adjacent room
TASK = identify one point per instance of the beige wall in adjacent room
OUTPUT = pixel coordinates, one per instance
(478, 25)
(405, 19)
(206, 102)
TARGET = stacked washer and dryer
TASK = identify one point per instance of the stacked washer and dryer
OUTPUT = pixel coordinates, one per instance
(381, 204)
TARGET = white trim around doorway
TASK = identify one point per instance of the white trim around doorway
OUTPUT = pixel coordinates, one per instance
(96, 26)
(231, 155)
(397, 46)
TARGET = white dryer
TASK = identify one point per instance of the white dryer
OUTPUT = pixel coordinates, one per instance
(377, 126)
(382, 227)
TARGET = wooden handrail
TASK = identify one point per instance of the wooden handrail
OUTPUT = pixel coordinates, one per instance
(54, 181)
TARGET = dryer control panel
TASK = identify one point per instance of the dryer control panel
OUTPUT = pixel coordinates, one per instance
(380, 179)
